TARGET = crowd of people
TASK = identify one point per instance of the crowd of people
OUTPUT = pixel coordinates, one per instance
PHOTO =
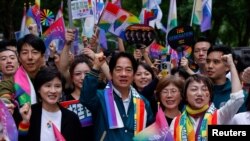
(115, 97)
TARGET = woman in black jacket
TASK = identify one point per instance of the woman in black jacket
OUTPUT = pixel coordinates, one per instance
(38, 122)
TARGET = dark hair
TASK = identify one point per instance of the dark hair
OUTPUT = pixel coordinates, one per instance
(198, 78)
(148, 68)
(220, 48)
(34, 41)
(200, 39)
(203, 39)
(116, 56)
(181, 72)
(6, 49)
(165, 81)
(12, 42)
(47, 74)
(77, 60)
(6, 43)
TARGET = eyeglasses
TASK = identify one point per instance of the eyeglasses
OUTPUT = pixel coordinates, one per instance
(169, 91)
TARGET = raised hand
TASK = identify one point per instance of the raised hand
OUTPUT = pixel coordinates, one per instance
(99, 59)
(69, 36)
(25, 112)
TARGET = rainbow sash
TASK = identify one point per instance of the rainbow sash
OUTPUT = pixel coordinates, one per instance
(183, 127)
(114, 118)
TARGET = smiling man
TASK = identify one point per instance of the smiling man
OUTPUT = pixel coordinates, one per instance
(119, 110)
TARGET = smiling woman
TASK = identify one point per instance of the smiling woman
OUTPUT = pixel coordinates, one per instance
(200, 112)
(49, 84)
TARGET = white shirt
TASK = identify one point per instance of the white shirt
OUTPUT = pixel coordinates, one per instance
(47, 133)
(241, 119)
(125, 101)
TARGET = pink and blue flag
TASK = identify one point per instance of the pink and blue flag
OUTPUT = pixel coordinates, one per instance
(7, 124)
(55, 31)
(24, 90)
(158, 131)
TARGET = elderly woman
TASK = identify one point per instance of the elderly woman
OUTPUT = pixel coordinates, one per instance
(168, 93)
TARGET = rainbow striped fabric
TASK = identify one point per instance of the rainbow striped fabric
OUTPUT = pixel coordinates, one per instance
(115, 20)
(183, 127)
(114, 117)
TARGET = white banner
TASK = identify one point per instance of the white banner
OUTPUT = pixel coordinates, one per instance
(81, 9)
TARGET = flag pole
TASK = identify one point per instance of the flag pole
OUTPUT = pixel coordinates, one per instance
(192, 15)
(70, 14)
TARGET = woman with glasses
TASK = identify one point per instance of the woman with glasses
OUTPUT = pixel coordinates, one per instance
(200, 112)
(168, 92)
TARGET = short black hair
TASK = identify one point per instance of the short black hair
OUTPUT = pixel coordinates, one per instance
(203, 39)
(220, 48)
(181, 72)
(47, 74)
(33, 40)
(116, 56)
(6, 49)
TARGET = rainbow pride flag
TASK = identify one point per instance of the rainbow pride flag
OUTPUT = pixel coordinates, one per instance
(115, 20)
(158, 131)
(156, 50)
(24, 90)
(7, 123)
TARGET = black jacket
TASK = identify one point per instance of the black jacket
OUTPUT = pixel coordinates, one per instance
(70, 124)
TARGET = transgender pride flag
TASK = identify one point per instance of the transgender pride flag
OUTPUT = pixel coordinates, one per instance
(206, 15)
(158, 131)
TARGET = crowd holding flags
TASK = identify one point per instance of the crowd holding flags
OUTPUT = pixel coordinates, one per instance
(114, 19)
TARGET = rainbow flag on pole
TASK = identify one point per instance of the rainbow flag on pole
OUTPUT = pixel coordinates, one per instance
(115, 20)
